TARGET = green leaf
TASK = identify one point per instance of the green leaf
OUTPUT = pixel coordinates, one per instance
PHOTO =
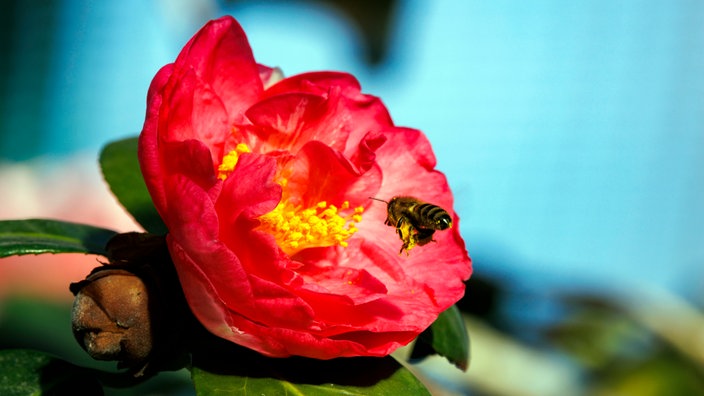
(251, 373)
(37, 236)
(448, 337)
(121, 171)
(25, 372)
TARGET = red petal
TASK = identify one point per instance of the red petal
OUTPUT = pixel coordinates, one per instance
(283, 342)
(319, 173)
(365, 156)
(318, 83)
(248, 193)
(221, 57)
(148, 154)
(195, 112)
(271, 300)
(351, 113)
(197, 168)
(288, 121)
(357, 285)
(194, 227)
(250, 190)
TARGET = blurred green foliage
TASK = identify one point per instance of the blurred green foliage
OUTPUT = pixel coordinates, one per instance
(616, 344)
(27, 323)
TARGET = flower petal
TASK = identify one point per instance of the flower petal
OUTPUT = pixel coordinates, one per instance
(148, 147)
(317, 83)
(357, 285)
(193, 233)
(353, 112)
(287, 121)
(365, 156)
(319, 173)
(250, 190)
(195, 112)
(221, 57)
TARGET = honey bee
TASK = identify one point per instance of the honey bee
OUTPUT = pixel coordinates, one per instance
(415, 221)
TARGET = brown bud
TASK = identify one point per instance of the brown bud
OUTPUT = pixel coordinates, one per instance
(132, 309)
(111, 318)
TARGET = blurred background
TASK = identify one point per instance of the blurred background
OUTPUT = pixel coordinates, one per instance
(572, 134)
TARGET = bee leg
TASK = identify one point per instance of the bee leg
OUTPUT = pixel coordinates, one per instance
(424, 236)
(406, 232)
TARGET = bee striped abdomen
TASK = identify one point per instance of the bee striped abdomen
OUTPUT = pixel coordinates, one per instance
(433, 216)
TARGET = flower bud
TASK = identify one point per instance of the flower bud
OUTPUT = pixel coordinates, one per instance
(111, 318)
(132, 309)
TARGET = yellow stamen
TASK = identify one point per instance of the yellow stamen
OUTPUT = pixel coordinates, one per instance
(297, 228)
(229, 161)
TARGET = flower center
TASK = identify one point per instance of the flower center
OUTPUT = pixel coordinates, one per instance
(294, 227)
(229, 161)
(297, 228)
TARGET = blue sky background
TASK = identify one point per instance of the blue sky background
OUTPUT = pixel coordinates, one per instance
(572, 133)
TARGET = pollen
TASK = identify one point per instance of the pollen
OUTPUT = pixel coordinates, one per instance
(322, 225)
(229, 161)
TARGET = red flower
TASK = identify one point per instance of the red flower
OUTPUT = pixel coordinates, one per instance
(265, 189)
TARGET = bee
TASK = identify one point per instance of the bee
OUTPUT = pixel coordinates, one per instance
(415, 221)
